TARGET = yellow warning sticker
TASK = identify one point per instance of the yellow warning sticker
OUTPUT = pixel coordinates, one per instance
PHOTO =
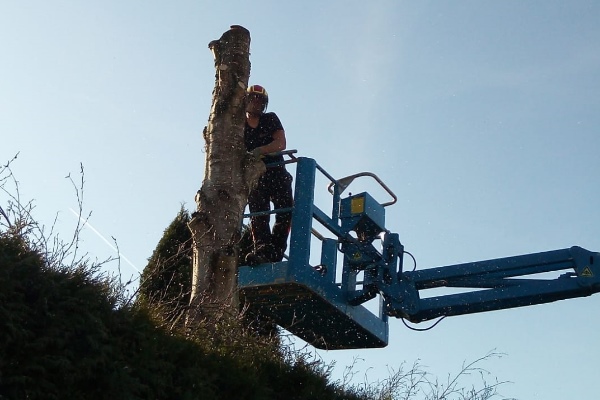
(587, 273)
(357, 205)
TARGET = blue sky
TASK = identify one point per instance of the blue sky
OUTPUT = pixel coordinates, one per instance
(482, 116)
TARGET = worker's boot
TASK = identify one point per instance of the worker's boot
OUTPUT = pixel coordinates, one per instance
(253, 259)
(263, 254)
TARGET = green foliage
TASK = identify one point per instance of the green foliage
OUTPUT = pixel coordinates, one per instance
(53, 326)
(65, 334)
(166, 281)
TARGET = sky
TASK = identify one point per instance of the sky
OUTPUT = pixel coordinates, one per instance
(479, 115)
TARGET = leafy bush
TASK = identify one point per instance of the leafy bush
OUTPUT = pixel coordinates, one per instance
(65, 334)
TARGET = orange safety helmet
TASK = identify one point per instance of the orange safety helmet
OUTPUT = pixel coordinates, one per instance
(259, 91)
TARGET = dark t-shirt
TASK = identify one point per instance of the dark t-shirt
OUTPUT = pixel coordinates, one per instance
(268, 124)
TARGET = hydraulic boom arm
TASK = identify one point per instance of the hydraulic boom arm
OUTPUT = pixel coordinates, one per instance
(498, 284)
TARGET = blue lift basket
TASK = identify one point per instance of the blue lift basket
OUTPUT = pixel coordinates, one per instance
(305, 299)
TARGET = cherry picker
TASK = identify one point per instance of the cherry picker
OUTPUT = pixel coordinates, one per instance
(324, 304)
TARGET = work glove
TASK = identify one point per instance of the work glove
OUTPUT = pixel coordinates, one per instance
(256, 153)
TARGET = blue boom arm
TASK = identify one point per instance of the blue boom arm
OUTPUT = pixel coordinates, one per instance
(498, 284)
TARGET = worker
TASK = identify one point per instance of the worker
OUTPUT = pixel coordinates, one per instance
(263, 135)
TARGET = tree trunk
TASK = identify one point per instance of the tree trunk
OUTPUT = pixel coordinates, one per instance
(230, 173)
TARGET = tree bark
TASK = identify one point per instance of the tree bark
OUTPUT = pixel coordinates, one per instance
(230, 173)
